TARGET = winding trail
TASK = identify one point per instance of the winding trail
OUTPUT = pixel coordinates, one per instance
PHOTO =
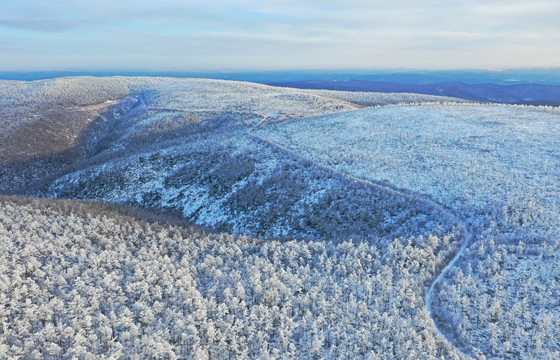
(444, 211)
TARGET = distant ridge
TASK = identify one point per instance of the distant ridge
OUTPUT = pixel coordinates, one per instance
(514, 86)
(529, 94)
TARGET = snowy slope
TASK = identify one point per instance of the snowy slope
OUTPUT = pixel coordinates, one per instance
(498, 166)
(114, 285)
(84, 280)
(48, 125)
(383, 170)
(183, 147)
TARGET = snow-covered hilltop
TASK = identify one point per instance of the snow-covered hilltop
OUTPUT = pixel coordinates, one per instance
(337, 211)
(50, 124)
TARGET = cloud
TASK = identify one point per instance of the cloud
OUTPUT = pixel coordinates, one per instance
(39, 24)
(287, 33)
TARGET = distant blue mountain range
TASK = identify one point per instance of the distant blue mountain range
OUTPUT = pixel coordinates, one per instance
(530, 94)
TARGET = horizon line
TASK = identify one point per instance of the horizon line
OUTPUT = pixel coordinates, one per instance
(248, 70)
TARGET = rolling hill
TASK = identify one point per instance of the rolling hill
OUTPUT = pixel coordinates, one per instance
(270, 222)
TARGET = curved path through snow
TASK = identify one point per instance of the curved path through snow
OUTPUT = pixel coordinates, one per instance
(444, 211)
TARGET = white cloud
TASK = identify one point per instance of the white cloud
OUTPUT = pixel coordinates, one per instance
(286, 33)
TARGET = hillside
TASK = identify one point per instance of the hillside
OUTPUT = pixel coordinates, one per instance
(498, 167)
(85, 280)
(51, 124)
(183, 147)
(302, 223)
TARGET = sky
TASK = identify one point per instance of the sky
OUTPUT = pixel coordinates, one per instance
(175, 35)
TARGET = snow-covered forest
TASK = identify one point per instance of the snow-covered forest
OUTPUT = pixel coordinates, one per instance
(257, 222)
(498, 166)
(82, 280)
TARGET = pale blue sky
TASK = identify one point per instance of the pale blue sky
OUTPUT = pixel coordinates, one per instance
(266, 35)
